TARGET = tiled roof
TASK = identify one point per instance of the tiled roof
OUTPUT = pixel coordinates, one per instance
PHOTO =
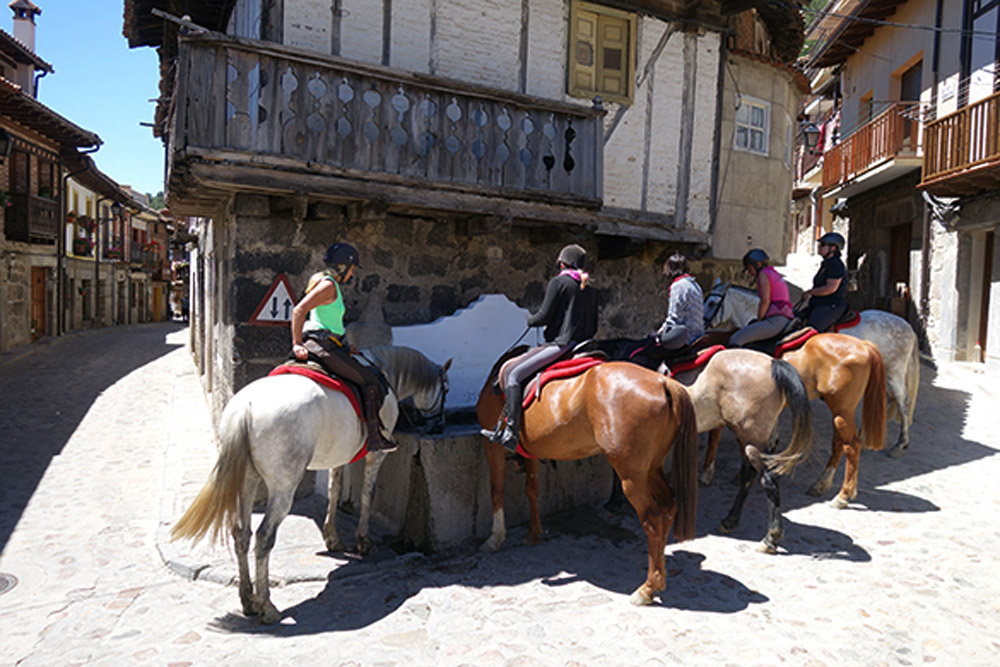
(17, 51)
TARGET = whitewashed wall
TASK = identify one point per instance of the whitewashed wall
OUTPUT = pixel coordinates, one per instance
(479, 41)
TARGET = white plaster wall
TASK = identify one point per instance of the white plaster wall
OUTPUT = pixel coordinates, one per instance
(886, 51)
(360, 30)
(755, 190)
(307, 24)
(474, 338)
(410, 43)
(703, 133)
(548, 23)
(478, 41)
(667, 82)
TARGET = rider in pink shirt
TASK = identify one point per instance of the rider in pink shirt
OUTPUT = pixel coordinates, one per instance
(775, 309)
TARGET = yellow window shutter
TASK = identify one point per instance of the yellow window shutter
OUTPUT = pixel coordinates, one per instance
(613, 42)
(583, 56)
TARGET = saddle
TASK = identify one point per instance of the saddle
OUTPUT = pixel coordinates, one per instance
(696, 360)
(850, 318)
(577, 360)
(660, 356)
(792, 338)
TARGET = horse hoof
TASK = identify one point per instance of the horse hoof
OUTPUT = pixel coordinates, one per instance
(269, 614)
(726, 528)
(532, 539)
(366, 547)
(815, 491)
(490, 546)
(897, 452)
(641, 598)
(705, 480)
(766, 547)
(838, 503)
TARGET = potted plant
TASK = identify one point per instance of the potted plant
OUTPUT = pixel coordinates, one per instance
(81, 246)
(45, 191)
(113, 252)
(86, 222)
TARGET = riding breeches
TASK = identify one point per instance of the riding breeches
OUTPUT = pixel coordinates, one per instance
(337, 359)
(769, 327)
(822, 316)
(533, 361)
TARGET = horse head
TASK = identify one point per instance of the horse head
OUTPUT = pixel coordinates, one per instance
(413, 376)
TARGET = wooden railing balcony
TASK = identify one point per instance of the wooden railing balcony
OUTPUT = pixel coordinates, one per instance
(247, 103)
(962, 150)
(893, 133)
(30, 218)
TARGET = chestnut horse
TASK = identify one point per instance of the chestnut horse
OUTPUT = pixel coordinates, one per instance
(631, 415)
(841, 370)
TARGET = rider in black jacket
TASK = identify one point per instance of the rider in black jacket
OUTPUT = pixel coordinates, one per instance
(569, 315)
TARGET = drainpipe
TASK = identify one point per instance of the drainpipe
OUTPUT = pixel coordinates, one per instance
(38, 77)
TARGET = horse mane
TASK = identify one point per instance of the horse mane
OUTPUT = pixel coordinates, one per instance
(405, 365)
(747, 290)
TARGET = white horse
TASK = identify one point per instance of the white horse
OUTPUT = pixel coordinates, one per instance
(275, 429)
(732, 306)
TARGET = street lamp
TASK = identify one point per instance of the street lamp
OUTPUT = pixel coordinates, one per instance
(810, 133)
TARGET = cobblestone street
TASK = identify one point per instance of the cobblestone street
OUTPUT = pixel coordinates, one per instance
(100, 429)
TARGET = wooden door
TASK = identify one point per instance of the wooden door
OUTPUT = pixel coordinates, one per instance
(38, 324)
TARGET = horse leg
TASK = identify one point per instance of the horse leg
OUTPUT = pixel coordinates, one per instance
(241, 539)
(330, 536)
(897, 388)
(496, 458)
(656, 508)
(279, 503)
(825, 481)
(373, 463)
(708, 468)
(847, 433)
(531, 467)
(747, 475)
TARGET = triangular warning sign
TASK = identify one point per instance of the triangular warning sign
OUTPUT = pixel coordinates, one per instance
(277, 305)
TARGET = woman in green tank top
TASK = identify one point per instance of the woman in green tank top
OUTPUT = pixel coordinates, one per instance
(318, 329)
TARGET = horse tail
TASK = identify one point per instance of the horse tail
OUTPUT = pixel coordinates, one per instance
(873, 412)
(684, 471)
(216, 505)
(797, 400)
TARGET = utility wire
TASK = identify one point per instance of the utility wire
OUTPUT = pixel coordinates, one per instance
(911, 26)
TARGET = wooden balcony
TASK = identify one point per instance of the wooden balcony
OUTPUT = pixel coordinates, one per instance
(962, 150)
(888, 143)
(30, 218)
(259, 116)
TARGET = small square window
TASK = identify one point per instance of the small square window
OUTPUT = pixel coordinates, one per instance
(752, 126)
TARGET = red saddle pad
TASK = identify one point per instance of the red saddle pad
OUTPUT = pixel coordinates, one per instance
(795, 343)
(700, 360)
(853, 322)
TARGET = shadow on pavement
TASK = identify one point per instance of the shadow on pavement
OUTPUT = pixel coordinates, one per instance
(935, 444)
(49, 391)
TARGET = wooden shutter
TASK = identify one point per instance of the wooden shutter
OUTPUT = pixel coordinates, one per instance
(583, 54)
(613, 44)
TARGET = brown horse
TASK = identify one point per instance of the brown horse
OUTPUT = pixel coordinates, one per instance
(841, 370)
(631, 415)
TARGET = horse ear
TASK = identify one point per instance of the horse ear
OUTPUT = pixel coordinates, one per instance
(447, 365)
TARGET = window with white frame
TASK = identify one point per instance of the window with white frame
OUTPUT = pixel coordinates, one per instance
(753, 122)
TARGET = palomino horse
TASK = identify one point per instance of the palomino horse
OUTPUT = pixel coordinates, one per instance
(841, 370)
(732, 306)
(744, 390)
(631, 415)
(275, 429)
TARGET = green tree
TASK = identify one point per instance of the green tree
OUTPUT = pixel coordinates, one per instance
(156, 201)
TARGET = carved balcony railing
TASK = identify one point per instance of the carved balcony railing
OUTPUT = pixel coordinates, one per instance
(30, 218)
(251, 103)
(962, 150)
(893, 133)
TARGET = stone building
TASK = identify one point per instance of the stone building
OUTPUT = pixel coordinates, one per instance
(460, 145)
(911, 168)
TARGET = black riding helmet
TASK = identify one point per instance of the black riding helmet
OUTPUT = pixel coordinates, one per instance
(834, 239)
(754, 258)
(573, 256)
(340, 257)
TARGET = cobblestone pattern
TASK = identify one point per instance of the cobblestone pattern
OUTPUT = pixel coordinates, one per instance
(105, 435)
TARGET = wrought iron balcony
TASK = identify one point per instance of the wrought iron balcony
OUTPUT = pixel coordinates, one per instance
(243, 105)
(30, 218)
(962, 150)
(893, 135)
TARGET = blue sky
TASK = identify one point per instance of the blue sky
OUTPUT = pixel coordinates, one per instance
(100, 84)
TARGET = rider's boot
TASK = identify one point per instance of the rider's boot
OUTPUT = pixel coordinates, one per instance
(377, 442)
(508, 428)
